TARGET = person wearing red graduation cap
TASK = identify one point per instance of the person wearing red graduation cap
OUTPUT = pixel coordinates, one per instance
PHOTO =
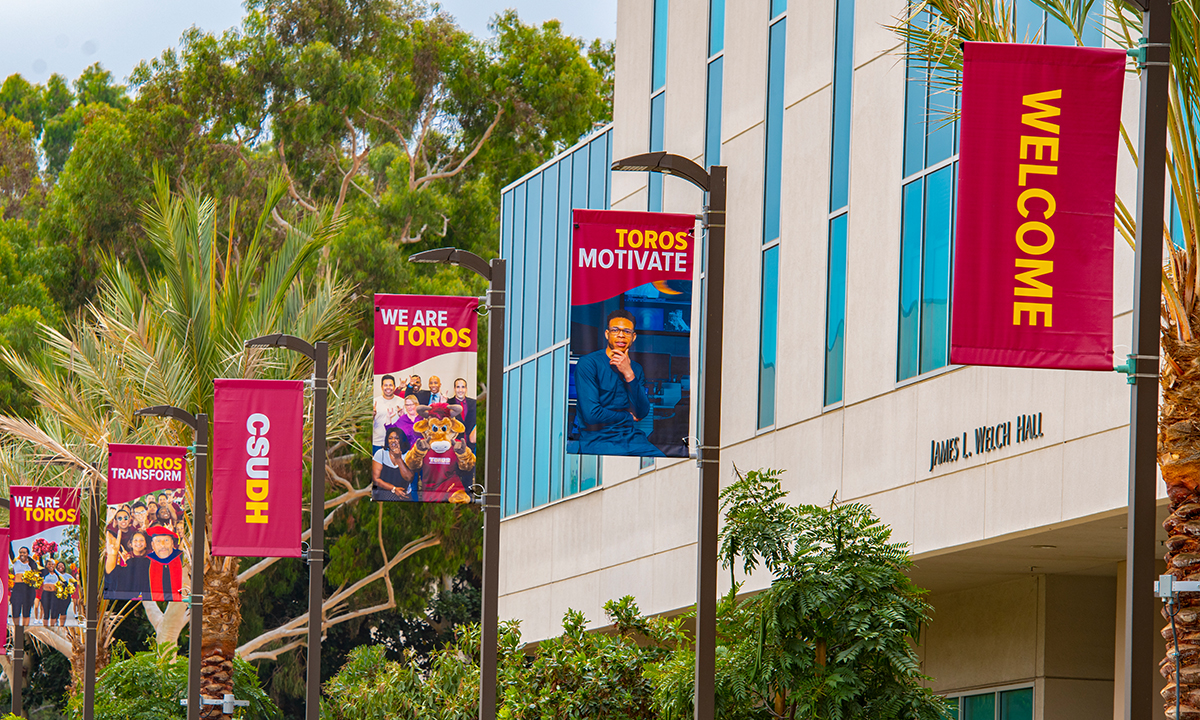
(166, 565)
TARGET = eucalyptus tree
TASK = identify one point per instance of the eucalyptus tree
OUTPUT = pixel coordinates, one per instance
(161, 340)
(933, 31)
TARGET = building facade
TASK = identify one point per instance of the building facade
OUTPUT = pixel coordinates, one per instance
(842, 177)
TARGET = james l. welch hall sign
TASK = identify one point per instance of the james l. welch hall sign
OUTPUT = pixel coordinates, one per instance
(987, 439)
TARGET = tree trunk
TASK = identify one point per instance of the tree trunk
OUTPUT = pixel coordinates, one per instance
(222, 619)
(1179, 459)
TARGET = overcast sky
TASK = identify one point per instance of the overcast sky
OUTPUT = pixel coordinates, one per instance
(65, 36)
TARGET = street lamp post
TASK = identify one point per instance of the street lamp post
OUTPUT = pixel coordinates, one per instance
(489, 631)
(708, 455)
(199, 424)
(1141, 548)
(319, 354)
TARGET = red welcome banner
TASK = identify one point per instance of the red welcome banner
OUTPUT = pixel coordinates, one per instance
(1033, 257)
(258, 467)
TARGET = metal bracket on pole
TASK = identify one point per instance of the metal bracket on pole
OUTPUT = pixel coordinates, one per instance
(1129, 368)
(1139, 53)
(702, 450)
(228, 703)
(1168, 588)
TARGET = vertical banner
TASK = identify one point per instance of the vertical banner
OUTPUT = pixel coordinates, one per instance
(6, 590)
(1033, 258)
(143, 557)
(631, 312)
(44, 533)
(258, 467)
(423, 422)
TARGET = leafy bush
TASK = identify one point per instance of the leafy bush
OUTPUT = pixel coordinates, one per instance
(149, 685)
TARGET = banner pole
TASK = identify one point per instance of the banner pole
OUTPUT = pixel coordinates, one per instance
(1141, 548)
(316, 541)
(93, 602)
(199, 520)
(18, 666)
(490, 602)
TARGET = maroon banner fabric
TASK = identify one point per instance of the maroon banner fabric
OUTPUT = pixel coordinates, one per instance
(7, 588)
(1033, 257)
(631, 326)
(423, 432)
(258, 467)
(44, 532)
(143, 531)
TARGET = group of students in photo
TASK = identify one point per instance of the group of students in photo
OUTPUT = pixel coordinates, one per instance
(42, 587)
(394, 433)
(142, 559)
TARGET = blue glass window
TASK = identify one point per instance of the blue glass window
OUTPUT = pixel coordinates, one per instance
(657, 111)
(716, 26)
(835, 310)
(910, 279)
(1016, 704)
(1033, 23)
(532, 261)
(935, 277)
(769, 333)
(598, 172)
(914, 111)
(979, 707)
(843, 76)
(535, 240)
(658, 76)
(544, 412)
(562, 288)
(777, 7)
(1177, 233)
(515, 290)
(549, 261)
(712, 113)
(558, 422)
(512, 432)
(774, 145)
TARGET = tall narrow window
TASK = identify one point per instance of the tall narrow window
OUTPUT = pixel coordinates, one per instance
(772, 189)
(658, 99)
(715, 85)
(927, 233)
(839, 201)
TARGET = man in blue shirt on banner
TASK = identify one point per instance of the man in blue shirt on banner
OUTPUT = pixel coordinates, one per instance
(611, 392)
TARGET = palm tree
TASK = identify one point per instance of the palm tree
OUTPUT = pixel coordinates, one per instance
(163, 344)
(932, 41)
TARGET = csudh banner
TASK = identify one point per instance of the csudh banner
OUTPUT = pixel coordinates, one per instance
(44, 556)
(258, 467)
(423, 421)
(629, 383)
(143, 554)
(1033, 253)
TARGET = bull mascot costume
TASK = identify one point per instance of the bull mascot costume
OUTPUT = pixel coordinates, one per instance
(441, 454)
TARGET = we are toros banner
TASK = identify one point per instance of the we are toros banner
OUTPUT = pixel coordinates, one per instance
(1033, 256)
(423, 433)
(629, 384)
(44, 535)
(5, 586)
(143, 555)
(258, 467)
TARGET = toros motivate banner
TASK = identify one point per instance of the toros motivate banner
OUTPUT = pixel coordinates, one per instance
(143, 554)
(44, 535)
(1033, 258)
(258, 467)
(423, 431)
(629, 385)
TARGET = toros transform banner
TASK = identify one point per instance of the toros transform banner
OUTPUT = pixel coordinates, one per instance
(629, 384)
(1033, 258)
(44, 532)
(423, 434)
(258, 467)
(143, 554)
